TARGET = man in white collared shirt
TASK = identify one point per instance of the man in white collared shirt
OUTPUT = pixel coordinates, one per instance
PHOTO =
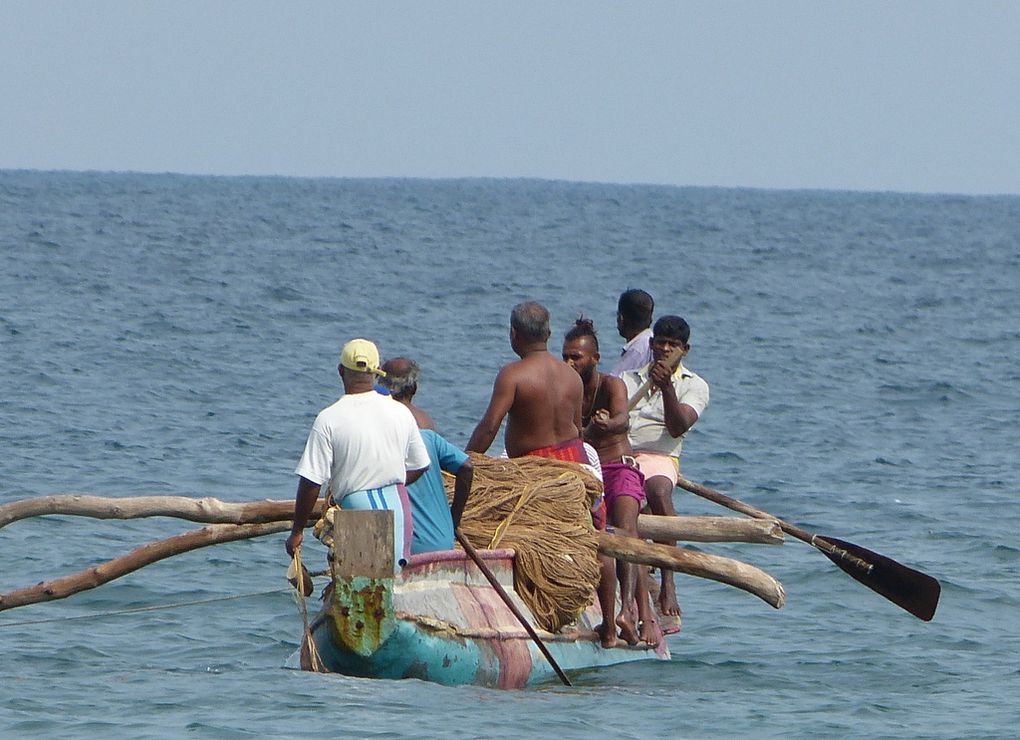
(658, 423)
(633, 321)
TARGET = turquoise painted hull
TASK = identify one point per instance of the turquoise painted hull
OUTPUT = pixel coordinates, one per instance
(439, 620)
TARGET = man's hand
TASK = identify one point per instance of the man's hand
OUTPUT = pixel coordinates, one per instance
(294, 542)
(661, 375)
(600, 420)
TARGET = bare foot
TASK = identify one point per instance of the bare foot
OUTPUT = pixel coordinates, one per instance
(607, 634)
(627, 631)
(668, 606)
(650, 632)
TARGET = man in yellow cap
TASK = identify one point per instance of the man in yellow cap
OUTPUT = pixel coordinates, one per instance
(365, 447)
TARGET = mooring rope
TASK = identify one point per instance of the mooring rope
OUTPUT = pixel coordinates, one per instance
(308, 646)
(153, 608)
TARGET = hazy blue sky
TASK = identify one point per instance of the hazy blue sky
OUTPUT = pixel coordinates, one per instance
(911, 96)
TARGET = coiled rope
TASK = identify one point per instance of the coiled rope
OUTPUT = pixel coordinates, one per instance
(542, 509)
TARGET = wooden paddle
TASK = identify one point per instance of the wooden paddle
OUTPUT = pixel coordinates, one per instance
(671, 359)
(909, 589)
(473, 554)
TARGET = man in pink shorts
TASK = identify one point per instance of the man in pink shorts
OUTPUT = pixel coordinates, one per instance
(658, 423)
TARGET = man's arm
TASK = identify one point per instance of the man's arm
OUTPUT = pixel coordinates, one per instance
(503, 392)
(579, 406)
(413, 475)
(679, 417)
(307, 495)
(618, 419)
(461, 489)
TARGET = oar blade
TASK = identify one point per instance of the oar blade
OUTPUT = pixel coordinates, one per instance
(909, 589)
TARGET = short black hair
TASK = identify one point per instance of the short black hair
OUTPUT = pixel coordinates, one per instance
(531, 321)
(583, 328)
(636, 307)
(673, 327)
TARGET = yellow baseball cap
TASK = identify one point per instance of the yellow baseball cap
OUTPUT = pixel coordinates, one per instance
(361, 355)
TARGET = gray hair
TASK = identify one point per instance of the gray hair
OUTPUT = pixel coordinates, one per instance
(531, 321)
(402, 385)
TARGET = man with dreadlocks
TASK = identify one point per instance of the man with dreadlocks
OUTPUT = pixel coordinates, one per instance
(605, 422)
(434, 520)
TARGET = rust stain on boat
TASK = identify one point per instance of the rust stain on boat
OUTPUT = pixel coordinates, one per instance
(362, 613)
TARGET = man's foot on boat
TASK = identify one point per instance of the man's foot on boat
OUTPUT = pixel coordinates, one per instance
(650, 633)
(607, 634)
(668, 606)
(628, 631)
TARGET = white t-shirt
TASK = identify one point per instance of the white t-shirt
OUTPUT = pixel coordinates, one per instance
(648, 431)
(363, 441)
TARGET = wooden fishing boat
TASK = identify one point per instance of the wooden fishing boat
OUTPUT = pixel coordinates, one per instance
(439, 619)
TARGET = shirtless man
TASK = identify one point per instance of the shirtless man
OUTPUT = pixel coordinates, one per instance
(539, 395)
(605, 422)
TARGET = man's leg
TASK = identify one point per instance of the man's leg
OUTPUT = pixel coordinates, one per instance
(623, 516)
(607, 601)
(659, 490)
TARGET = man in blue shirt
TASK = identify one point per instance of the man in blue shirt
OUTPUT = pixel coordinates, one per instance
(434, 520)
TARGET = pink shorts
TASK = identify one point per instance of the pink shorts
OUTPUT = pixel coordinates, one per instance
(653, 464)
(620, 479)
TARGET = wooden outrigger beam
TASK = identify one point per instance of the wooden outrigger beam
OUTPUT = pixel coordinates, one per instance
(213, 511)
(236, 521)
(710, 529)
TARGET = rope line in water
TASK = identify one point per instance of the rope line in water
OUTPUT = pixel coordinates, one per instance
(155, 607)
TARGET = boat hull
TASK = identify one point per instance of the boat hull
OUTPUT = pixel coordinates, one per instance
(439, 620)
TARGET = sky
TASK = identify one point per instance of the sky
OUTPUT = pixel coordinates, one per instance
(899, 95)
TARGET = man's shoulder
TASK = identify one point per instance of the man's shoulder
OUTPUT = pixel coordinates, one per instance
(614, 384)
(634, 377)
(511, 370)
(691, 377)
(334, 409)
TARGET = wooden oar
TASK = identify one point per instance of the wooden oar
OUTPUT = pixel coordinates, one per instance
(473, 554)
(910, 589)
(671, 359)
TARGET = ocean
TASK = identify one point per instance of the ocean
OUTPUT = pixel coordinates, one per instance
(169, 334)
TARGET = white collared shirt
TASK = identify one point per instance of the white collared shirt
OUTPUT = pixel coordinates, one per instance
(648, 431)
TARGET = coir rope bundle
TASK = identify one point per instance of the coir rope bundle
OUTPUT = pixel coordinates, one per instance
(541, 509)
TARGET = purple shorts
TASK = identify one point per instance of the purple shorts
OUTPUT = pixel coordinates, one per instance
(620, 479)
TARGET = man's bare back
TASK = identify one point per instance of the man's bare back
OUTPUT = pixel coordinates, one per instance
(539, 395)
(541, 398)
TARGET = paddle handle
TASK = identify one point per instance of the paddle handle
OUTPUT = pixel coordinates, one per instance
(672, 359)
(490, 576)
(812, 539)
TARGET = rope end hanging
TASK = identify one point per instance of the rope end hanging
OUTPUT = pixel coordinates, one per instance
(306, 586)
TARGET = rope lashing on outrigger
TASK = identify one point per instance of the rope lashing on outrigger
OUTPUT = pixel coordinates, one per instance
(541, 509)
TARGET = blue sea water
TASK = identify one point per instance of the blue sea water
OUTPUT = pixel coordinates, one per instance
(164, 334)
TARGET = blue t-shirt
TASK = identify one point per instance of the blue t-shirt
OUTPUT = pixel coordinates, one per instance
(433, 524)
